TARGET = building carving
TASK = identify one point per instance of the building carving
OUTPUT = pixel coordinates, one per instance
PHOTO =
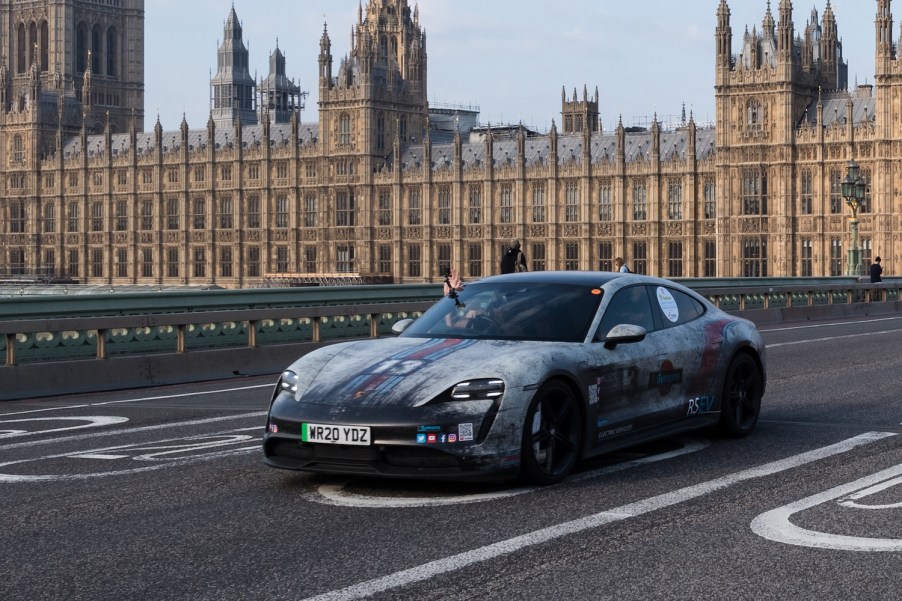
(382, 183)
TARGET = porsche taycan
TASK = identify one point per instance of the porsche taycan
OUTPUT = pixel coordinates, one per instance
(520, 375)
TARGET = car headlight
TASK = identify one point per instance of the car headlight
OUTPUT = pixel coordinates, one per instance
(289, 382)
(478, 390)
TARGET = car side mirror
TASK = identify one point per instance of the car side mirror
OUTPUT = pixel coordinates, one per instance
(401, 325)
(624, 333)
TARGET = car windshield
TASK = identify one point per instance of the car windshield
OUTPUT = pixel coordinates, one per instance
(512, 311)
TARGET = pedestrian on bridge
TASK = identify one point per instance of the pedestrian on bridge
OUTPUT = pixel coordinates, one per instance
(876, 271)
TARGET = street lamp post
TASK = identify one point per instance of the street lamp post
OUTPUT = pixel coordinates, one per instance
(853, 189)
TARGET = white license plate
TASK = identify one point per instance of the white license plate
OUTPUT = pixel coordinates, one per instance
(331, 434)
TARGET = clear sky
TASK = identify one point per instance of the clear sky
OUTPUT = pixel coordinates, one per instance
(510, 58)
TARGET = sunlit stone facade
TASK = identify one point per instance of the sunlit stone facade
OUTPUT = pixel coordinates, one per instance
(382, 185)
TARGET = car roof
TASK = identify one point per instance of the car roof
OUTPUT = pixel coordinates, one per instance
(579, 278)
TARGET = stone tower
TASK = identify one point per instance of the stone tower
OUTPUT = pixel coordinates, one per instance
(233, 90)
(52, 45)
(888, 80)
(761, 96)
(279, 96)
(379, 93)
(579, 115)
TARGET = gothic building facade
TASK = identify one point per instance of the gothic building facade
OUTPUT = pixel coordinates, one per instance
(376, 187)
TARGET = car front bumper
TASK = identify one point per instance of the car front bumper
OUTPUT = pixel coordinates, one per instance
(472, 440)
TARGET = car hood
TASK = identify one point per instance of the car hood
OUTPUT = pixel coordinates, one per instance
(411, 371)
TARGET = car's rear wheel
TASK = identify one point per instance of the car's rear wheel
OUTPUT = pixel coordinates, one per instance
(552, 435)
(742, 392)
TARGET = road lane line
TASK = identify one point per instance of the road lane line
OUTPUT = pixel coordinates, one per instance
(511, 545)
(775, 525)
(335, 494)
(829, 325)
(98, 456)
(94, 421)
(829, 338)
(196, 422)
(164, 453)
(139, 400)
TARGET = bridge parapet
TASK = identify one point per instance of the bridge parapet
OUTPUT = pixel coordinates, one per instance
(84, 344)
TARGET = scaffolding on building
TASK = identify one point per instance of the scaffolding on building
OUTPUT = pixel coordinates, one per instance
(293, 280)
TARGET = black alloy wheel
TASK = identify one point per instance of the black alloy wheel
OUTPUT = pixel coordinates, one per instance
(552, 435)
(742, 392)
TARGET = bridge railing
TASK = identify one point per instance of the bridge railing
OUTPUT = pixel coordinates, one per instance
(33, 340)
(213, 335)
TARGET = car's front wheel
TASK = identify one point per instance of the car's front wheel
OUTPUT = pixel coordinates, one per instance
(742, 392)
(552, 435)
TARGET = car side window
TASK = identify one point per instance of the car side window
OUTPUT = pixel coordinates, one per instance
(676, 307)
(627, 306)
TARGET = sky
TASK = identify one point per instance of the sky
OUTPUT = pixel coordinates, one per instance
(509, 58)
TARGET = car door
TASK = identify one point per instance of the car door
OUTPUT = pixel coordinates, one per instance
(620, 380)
(683, 378)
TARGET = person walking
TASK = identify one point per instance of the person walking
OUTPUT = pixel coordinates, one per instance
(876, 271)
(620, 266)
(513, 259)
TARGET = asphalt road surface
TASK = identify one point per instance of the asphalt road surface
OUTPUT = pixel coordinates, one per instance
(161, 494)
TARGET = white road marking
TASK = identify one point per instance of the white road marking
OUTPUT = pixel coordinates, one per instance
(124, 431)
(775, 525)
(166, 453)
(93, 422)
(97, 456)
(829, 325)
(335, 494)
(829, 338)
(462, 560)
(142, 399)
(852, 500)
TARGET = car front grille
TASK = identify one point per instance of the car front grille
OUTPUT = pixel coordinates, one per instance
(291, 453)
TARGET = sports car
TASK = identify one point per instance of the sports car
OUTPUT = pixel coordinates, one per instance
(520, 375)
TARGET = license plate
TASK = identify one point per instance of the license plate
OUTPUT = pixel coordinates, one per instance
(331, 434)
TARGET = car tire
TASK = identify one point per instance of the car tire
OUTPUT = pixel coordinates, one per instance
(552, 435)
(742, 391)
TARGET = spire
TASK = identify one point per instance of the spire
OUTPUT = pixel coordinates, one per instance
(829, 41)
(232, 26)
(86, 87)
(785, 32)
(884, 24)
(767, 26)
(232, 89)
(325, 59)
(723, 35)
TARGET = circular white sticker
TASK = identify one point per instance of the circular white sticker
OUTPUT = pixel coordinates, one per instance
(668, 304)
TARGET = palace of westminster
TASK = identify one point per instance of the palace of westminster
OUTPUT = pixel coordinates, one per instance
(383, 186)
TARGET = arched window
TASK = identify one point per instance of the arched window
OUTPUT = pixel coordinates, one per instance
(18, 149)
(45, 47)
(380, 131)
(21, 50)
(753, 114)
(344, 129)
(32, 43)
(81, 48)
(96, 49)
(112, 52)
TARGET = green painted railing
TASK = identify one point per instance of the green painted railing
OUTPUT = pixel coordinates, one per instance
(34, 329)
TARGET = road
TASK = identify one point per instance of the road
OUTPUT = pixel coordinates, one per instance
(161, 494)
